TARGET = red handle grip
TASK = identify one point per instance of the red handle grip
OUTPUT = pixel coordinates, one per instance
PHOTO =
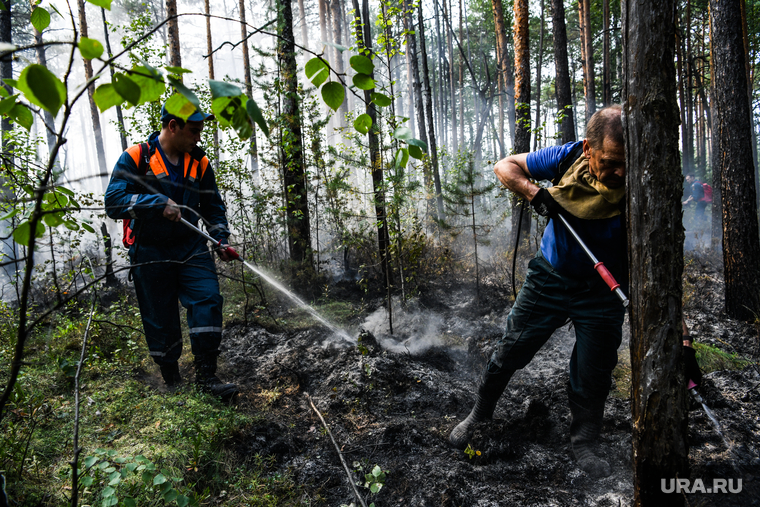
(229, 250)
(606, 275)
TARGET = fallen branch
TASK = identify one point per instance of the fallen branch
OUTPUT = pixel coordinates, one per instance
(337, 449)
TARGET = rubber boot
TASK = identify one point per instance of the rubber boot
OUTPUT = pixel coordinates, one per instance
(584, 436)
(489, 392)
(170, 373)
(207, 381)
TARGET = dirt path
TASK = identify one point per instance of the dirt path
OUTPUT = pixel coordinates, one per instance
(395, 406)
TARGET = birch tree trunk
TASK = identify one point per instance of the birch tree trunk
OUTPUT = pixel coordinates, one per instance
(655, 189)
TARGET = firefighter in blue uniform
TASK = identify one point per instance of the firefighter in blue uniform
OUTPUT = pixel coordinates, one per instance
(155, 185)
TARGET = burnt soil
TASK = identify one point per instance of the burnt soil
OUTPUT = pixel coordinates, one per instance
(396, 405)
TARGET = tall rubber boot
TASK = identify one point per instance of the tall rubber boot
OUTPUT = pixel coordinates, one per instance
(584, 436)
(171, 375)
(207, 381)
(489, 392)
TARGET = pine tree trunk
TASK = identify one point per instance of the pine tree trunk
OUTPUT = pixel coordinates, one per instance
(741, 239)
(211, 74)
(94, 114)
(337, 23)
(461, 76)
(253, 149)
(503, 66)
(606, 84)
(651, 120)
(432, 148)
(522, 106)
(294, 176)
(119, 115)
(304, 27)
(588, 58)
(688, 142)
(539, 64)
(175, 58)
(562, 87)
(411, 48)
(452, 79)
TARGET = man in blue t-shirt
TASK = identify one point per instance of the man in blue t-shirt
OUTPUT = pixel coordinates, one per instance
(561, 283)
(697, 195)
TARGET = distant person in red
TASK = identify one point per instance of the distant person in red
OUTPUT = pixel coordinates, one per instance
(698, 195)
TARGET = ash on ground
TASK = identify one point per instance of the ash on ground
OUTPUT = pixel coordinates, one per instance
(393, 401)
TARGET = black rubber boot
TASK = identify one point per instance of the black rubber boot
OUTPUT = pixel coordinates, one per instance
(489, 392)
(207, 381)
(170, 373)
(584, 437)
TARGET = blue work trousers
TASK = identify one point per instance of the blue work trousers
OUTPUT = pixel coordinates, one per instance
(545, 302)
(163, 276)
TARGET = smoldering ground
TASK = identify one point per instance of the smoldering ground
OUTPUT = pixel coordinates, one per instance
(395, 406)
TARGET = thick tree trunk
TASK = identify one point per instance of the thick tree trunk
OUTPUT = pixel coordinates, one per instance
(562, 87)
(522, 105)
(432, 148)
(655, 239)
(102, 170)
(253, 148)
(733, 147)
(294, 176)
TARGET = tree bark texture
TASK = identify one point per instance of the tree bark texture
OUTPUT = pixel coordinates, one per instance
(452, 79)
(304, 27)
(588, 58)
(253, 145)
(503, 66)
(733, 148)
(522, 106)
(606, 84)
(337, 18)
(119, 115)
(432, 148)
(655, 239)
(175, 55)
(94, 113)
(294, 177)
(411, 48)
(539, 64)
(211, 74)
(562, 83)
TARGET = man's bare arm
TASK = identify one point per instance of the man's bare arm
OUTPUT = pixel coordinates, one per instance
(513, 173)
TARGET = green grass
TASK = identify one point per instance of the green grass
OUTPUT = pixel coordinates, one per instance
(190, 437)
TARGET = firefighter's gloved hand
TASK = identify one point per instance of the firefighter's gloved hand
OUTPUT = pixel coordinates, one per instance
(545, 205)
(691, 367)
(223, 254)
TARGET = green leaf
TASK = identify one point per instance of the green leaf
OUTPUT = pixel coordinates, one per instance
(108, 491)
(40, 19)
(418, 143)
(52, 219)
(21, 234)
(317, 71)
(87, 227)
(402, 158)
(222, 89)
(12, 213)
(147, 478)
(10, 82)
(333, 95)
(186, 92)
(114, 478)
(381, 99)
(374, 488)
(130, 502)
(7, 104)
(87, 481)
(106, 97)
(416, 152)
(180, 106)
(241, 122)
(159, 479)
(21, 114)
(170, 495)
(127, 88)
(255, 114)
(3, 90)
(177, 70)
(362, 64)
(111, 500)
(90, 48)
(224, 109)
(42, 88)
(182, 500)
(363, 82)
(403, 133)
(150, 81)
(363, 123)
(106, 4)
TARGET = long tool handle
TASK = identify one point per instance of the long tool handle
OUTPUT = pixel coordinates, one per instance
(598, 265)
(230, 251)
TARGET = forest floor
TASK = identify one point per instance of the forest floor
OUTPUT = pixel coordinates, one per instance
(395, 406)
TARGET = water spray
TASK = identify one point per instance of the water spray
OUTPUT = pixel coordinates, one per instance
(274, 283)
